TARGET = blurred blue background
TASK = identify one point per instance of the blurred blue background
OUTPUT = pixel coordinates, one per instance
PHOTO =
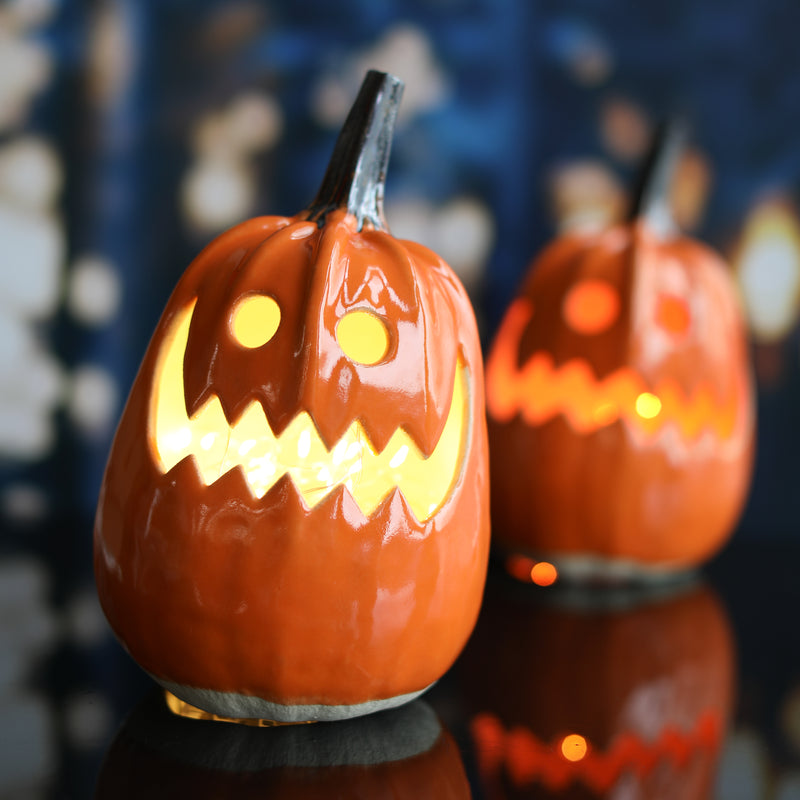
(134, 131)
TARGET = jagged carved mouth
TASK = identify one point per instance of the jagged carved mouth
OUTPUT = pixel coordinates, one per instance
(539, 391)
(217, 445)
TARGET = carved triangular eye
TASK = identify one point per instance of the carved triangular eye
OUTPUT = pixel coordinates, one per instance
(672, 314)
(591, 306)
(363, 337)
(255, 320)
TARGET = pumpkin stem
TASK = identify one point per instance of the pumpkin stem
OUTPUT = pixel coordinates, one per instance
(651, 199)
(357, 170)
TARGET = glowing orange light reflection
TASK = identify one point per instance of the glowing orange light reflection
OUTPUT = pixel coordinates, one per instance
(539, 391)
(574, 747)
(183, 709)
(544, 573)
(526, 760)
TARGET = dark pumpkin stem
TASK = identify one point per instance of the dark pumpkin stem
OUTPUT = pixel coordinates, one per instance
(357, 170)
(651, 199)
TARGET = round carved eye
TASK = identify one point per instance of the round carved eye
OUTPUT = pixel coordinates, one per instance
(363, 337)
(672, 314)
(591, 306)
(255, 319)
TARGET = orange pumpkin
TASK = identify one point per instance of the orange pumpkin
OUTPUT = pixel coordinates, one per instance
(401, 753)
(575, 694)
(620, 401)
(293, 522)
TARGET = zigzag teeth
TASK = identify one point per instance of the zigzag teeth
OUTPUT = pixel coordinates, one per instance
(540, 391)
(217, 446)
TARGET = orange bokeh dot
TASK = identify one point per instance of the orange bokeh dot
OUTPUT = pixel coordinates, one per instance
(591, 306)
(574, 747)
(672, 314)
(544, 573)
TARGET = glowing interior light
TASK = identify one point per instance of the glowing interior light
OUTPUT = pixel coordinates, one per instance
(353, 462)
(604, 413)
(544, 573)
(246, 446)
(304, 443)
(591, 306)
(363, 337)
(573, 747)
(399, 457)
(255, 320)
(540, 390)
(180, 438)
(648, 405)
(183, 709)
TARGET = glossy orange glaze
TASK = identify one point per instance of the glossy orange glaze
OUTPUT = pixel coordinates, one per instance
(647, 687)
(209, 587)
(576, 469)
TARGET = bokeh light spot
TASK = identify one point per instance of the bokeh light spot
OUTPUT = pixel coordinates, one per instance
(574, 747)
(648, 405)
(544, 573)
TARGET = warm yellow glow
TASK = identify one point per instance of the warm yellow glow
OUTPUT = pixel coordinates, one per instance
(363, 337)
(540, 390)
(573, 747)
(648, 405)
(544, 573)
(264, 458)
(183, 709)
(255, 320)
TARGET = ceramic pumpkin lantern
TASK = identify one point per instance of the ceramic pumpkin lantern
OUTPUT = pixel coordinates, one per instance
(400, 753)
(599, 694)
(620, 400)
(293, 523)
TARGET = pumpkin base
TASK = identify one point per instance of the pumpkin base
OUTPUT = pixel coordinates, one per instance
(602, 569)
(250, 710)
(608, 571)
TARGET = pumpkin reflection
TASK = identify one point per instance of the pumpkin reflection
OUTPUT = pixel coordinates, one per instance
(583, 695)
(402, 753)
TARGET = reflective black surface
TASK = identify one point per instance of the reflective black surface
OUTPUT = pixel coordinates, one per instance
(690, 690)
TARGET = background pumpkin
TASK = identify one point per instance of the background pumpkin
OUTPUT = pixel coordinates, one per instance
(266, 539)
(620, 400)
(580, 694)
